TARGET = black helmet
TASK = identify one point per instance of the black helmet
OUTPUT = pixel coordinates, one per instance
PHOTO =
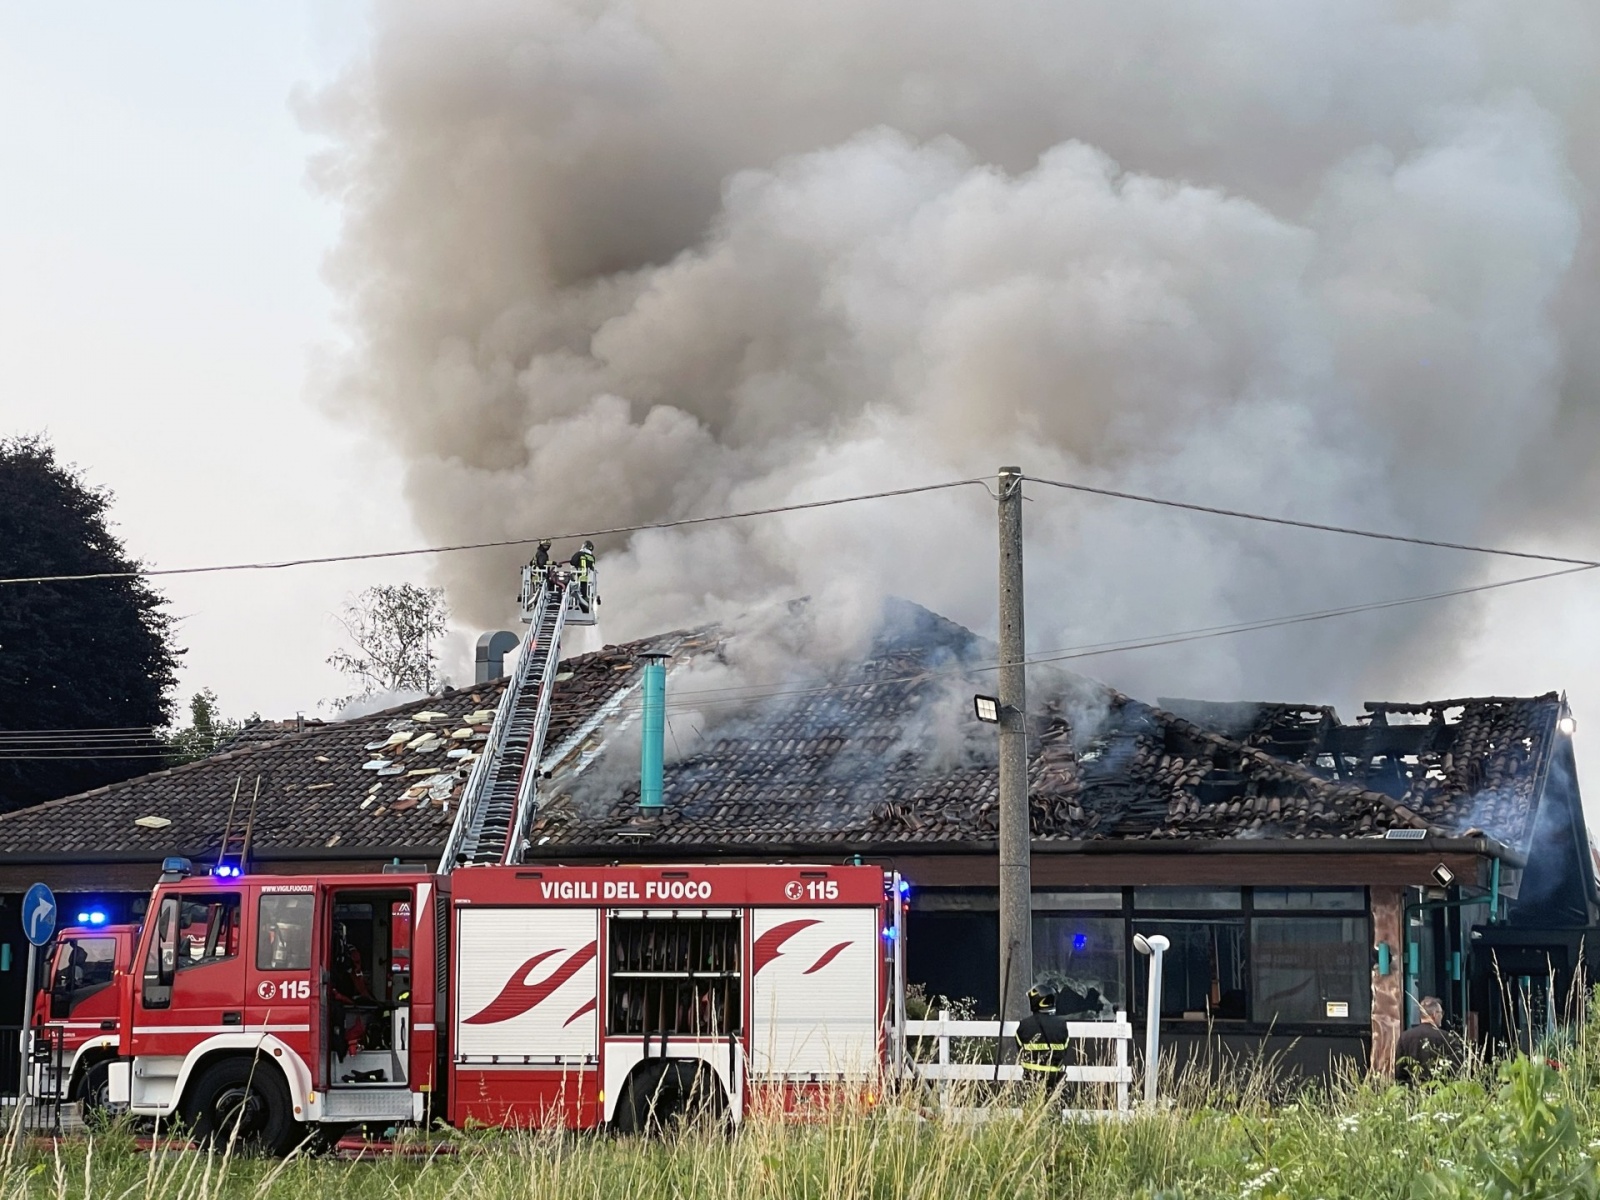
(588, 545)
(1042, 998)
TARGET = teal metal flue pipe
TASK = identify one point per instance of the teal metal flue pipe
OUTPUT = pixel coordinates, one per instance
(653, 749)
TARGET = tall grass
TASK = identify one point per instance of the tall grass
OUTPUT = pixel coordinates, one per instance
(1515, 1129)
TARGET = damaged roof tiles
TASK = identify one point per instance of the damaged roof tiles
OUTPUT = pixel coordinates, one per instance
(877, 755)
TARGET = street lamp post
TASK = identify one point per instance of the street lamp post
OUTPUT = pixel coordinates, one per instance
(1152, 947)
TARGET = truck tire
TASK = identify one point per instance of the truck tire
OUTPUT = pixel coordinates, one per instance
(667, 1095)
(94, 1093)
(244, 1094)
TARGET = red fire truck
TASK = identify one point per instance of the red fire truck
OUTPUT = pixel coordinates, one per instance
(522, 995)
(504, 991)
(75, 1014)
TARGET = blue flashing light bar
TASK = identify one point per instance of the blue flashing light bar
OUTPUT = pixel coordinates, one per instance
(93, 916)
(225, 871)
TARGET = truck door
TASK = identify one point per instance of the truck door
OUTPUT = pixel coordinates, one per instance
(361, 1004)
(278, 966)
(192, 979)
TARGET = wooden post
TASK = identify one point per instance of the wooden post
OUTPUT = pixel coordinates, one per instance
(1388, 991)
(1016, 842)
(944, 1060)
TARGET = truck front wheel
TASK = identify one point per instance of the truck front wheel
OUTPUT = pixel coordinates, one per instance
(94, 1092)
(242, 1100)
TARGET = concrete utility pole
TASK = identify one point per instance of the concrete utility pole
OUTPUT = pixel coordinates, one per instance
(1016, 868)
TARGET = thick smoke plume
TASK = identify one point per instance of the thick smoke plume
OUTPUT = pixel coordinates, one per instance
(613, 262)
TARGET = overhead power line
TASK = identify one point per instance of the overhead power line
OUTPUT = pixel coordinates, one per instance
(1112, 493)
(1098, 649)
(753, 692)
(681, 522)
(1293, 523)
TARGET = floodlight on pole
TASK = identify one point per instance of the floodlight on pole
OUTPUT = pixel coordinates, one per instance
(987, 709)
(1152, 947)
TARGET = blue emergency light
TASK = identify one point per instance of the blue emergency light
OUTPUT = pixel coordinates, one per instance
(94, 916)
(1080, 940)
(225, 871)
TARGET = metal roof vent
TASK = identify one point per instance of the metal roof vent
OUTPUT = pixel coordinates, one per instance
(1404, 835)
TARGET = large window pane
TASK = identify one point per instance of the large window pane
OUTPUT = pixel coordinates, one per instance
(1203, 973)
(208, 929)
(1310, 899)
(283, 932)
(1312, 969)
(1075, 901)
(1083, 959)
(1177, 898)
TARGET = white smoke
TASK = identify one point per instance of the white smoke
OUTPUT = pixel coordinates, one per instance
(614, 262)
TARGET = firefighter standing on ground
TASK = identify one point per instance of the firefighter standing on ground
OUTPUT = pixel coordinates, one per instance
(1042, 1038)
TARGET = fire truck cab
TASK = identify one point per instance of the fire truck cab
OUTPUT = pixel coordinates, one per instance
(518, 995)
(281, 1002)
(75, 1012)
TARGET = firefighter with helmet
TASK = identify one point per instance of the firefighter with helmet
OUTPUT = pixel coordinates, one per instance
(583, 563)
(1042, 1038)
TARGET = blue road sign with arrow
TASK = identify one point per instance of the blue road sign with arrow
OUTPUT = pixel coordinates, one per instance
(39, 914)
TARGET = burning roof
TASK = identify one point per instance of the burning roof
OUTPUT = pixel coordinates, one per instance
(875, 752)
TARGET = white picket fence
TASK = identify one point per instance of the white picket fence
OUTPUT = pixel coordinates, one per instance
(944, 1072)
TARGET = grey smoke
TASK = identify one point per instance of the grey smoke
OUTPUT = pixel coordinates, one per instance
(607, 262)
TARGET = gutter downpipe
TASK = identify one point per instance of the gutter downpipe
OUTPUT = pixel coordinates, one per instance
(652, 748)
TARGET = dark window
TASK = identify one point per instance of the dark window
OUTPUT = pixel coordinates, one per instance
(1311, 969)
(283, 932)
(1204, 972)
(1180, 898)
(83, 968)
(85, 962)
(1082, 958)
(956, 955)
(1310, 900)
(1075, 901)
(208, 929)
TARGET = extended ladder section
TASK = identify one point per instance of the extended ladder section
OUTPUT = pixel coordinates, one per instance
(502, 791)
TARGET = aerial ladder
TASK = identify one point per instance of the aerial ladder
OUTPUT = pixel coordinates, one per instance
(501, 795)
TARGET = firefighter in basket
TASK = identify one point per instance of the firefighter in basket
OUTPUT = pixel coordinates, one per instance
(583, 563)
(1042, 1038)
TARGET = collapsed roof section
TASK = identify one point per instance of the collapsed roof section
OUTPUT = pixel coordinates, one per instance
(1478, 763)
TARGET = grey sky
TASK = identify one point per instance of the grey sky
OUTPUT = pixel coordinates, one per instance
(161, 307)
(163, 315)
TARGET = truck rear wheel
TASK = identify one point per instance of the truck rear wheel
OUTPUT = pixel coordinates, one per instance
(243, 1099)
(668, 1095)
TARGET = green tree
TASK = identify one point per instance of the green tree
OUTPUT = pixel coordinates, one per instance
(207, 728)
(393, 628)
(86, 666)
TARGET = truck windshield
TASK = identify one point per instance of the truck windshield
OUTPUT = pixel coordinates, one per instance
(83, 966)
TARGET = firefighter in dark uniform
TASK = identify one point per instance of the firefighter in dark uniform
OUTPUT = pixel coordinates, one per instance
(1042, 1038)
(541, 556)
